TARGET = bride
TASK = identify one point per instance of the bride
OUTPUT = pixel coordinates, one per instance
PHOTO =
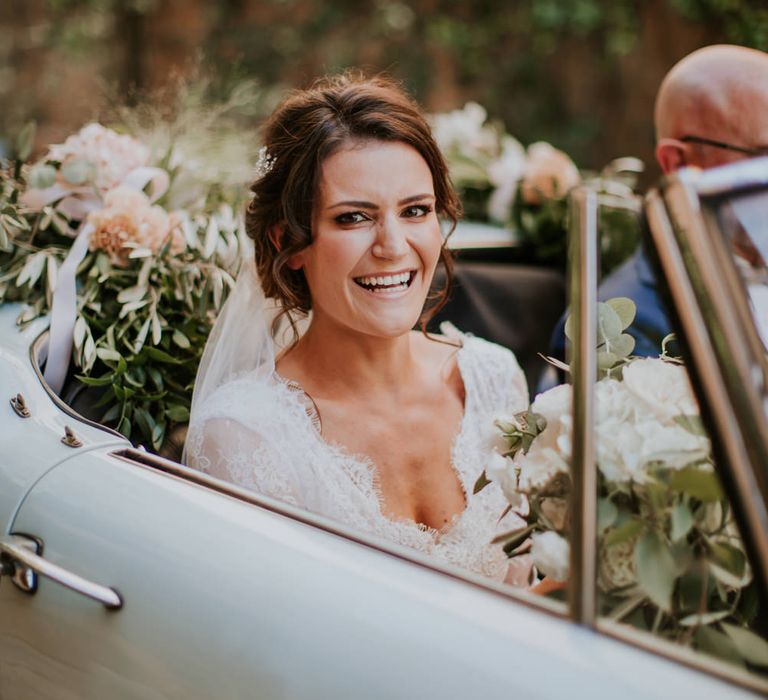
(359, 418)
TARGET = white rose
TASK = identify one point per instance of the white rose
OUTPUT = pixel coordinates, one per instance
(550, 553)
(672, 444)
(504, 174)
(501, 471)
(663, 387)
(551, 450)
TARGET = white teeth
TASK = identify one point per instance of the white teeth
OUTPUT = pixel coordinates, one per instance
(385, 281)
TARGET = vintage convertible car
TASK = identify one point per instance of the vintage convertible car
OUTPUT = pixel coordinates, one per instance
(126, 575)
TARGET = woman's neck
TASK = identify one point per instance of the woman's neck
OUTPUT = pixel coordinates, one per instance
(331, 360)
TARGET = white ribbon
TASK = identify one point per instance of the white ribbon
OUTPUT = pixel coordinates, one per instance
(64, 303)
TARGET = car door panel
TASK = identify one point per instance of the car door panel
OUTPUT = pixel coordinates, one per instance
(226, 599)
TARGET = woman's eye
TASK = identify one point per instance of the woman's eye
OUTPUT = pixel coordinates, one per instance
(351, 217)
(417, 211)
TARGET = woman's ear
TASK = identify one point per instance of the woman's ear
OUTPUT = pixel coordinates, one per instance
(276, 233)
(671, 154)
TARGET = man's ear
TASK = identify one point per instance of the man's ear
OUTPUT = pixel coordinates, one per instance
(276, 233)
(671, 155)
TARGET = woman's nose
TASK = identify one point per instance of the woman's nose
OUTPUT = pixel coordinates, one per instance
(391, 239)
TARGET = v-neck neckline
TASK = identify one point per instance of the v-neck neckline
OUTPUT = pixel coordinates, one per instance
(342, 454)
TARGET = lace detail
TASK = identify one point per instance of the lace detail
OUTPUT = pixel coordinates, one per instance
(265, 436)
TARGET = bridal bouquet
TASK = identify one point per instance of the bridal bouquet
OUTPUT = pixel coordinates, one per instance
(505, 183)
(670, 558)
(159, 249)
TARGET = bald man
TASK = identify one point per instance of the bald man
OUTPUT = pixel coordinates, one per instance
(711, 109)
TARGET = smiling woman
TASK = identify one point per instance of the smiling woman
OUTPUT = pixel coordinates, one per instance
(359, 418)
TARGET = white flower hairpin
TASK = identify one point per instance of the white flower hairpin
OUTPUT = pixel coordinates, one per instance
(264, 163)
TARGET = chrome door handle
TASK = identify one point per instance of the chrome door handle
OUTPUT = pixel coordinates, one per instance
(20, 558)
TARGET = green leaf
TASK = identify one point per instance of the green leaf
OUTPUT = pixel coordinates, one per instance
(129, 294)
(156, 376)
(124, 427)
(96, 381)
(25, 141)
(626, 531)
(108, 355)
(160, 356)
(624, 308)
(703, 619)
(730, 579)
(608, 322)
(158, 435)
(606, 514)
(481, 483)
(177, 413)
(621, 346)
(180, 339)
(699, 483)
(751, 646)
(112, 413)
(711, 641)
(682, 522)
(655, 569)
(693, 424)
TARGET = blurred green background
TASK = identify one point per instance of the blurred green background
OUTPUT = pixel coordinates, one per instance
(581, 74)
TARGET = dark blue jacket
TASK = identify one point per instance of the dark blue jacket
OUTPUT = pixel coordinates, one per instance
(633, 279)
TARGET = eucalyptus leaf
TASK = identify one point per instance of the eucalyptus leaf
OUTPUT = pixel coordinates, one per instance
(625, 309)
(751, 646)
(41, 176)
(621, 346)
(626, 531)
(681, 521)
(714, 642)
(25, 141)
(655, 569)
(178, 414)
(697, 482)
(606, 514)
(78, 171)
(609, 324)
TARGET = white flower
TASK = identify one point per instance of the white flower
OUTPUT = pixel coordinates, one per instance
(550, 553)
(113, 155)
(501, 470)
(549, 174)
(663, 387)
(504, 173)
(551, 450)
(464, 130)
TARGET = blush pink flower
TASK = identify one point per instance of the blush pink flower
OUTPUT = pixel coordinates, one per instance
(128, 221)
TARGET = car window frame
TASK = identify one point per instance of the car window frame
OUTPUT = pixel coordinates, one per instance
(668, 247)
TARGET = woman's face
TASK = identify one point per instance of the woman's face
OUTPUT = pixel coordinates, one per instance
(375, 239)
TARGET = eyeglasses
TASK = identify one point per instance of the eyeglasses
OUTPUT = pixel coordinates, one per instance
(756, 151)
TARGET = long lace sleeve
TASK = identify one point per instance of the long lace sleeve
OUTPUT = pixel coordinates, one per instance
(243, 436)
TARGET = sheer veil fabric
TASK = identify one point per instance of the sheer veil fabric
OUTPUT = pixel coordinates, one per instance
(251, 427)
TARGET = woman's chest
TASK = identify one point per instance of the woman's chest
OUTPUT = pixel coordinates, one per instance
(410, 455)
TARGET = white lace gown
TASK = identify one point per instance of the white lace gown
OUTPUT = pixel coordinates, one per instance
(260, 435)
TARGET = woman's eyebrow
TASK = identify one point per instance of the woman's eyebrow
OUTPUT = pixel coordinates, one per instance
(370, 205)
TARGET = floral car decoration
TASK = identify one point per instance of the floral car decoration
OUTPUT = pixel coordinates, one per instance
(502, 182)
(162, 252)
(670, 556)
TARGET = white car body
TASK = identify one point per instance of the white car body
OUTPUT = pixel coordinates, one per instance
(237, 596)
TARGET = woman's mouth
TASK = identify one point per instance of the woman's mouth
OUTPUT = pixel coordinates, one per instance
(387, 284)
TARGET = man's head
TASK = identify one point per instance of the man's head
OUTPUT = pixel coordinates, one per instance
(716, 95)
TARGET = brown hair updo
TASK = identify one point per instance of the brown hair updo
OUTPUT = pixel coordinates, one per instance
(306, 128)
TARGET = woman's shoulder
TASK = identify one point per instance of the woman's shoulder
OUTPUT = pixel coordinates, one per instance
(489, 370)
(251, 399)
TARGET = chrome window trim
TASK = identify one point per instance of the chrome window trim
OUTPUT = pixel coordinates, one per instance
(728, 358)
(582, 288)
(34, 352)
